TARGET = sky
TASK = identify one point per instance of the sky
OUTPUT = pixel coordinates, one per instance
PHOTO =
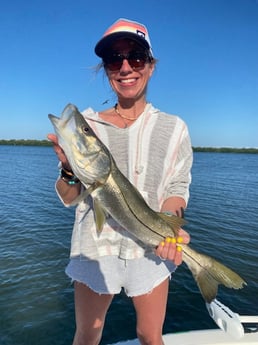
(207, 71)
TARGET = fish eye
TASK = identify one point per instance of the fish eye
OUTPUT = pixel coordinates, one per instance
(86, 129)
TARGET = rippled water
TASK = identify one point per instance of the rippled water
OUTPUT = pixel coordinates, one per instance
(36, 298)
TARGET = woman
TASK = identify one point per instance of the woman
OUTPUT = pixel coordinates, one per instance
(153, 150)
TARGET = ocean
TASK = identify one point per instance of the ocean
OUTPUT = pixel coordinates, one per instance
(36, 297)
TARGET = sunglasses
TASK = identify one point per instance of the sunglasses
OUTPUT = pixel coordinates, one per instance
(136, 60)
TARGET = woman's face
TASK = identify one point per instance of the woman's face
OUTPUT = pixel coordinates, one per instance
(129, 82)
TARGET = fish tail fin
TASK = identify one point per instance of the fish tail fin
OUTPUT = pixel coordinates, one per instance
(209, 274)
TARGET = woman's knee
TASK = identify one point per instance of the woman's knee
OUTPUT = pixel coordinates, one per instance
(149, 336)
(88, 337)
(90, 313)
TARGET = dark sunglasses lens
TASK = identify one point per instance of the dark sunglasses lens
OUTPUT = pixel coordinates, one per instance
(114, 65)
(135, 60)
(113, 62)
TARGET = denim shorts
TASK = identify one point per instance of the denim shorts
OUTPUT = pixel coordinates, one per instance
(109, 274)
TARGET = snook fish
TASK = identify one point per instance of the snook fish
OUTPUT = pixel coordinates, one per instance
(114, 195)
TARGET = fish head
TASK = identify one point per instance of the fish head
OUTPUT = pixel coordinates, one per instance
(87, 155)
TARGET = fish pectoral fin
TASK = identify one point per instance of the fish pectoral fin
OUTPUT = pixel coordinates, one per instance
(100, 215)
(84, 194)
(91, 188)
(173, 221)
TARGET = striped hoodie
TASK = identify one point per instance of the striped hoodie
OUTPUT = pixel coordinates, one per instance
(155, 154)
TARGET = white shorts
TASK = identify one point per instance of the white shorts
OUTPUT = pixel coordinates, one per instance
(109, 274)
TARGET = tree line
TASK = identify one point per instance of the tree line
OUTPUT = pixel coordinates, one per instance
(34, 142)
(25, 142)
(225, 149)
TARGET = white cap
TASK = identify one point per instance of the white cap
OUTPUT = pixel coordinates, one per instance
(124, 28)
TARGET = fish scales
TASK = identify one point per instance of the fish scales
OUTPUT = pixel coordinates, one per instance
(114, 195)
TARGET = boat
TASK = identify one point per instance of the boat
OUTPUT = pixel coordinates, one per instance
(234, 329)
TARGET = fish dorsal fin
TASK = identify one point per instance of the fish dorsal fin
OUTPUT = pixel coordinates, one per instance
(174, 221)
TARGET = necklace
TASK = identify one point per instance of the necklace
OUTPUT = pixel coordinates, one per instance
(123, 116)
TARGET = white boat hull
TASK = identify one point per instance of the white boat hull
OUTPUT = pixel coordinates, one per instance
(209, 337)
(203, 337)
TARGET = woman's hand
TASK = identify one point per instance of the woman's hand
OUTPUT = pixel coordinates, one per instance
(170, 248)
(59, 152)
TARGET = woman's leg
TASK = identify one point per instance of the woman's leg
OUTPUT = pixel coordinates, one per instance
(151, 310)
(90, 313)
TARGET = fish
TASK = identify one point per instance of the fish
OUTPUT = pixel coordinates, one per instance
(114, 195)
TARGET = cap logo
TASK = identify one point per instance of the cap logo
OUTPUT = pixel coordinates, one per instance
(140, 33)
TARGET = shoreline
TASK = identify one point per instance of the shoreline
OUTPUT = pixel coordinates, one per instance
(34, 142)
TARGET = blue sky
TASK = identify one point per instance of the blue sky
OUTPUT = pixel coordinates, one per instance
(207, 71)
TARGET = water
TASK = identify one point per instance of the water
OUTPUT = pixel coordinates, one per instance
(36, 297)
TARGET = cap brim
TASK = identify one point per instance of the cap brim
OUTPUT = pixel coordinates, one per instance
(107, 41)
